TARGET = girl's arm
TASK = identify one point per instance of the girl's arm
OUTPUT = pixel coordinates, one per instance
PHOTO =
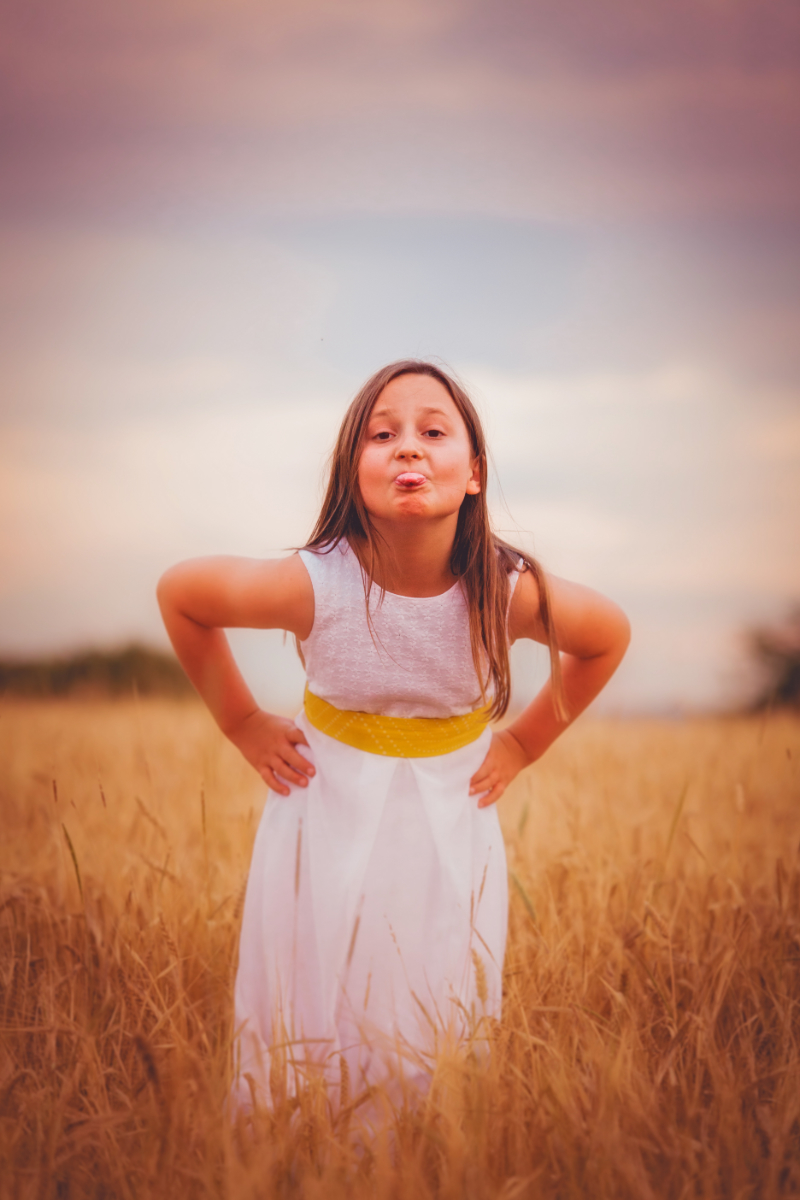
(201, 598)
(593, 634)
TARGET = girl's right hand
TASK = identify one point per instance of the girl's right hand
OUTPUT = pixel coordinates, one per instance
(269, 745)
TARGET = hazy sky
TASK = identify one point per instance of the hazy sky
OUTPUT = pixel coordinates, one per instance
(217, 218)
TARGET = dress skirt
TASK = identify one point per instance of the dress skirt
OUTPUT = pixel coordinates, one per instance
(374, 922)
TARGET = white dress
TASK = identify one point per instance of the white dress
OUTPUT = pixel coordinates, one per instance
(374, 922)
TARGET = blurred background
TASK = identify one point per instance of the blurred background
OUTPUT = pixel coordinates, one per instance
(218, 217)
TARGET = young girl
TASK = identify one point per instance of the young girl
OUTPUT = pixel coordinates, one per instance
(374, 923)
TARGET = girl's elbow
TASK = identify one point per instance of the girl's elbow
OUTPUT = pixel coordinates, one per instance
(167, 589)
(184, 594)
(612, 632)
(621, 631)
(163, 587)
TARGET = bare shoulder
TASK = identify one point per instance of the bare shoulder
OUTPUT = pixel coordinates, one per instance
(250, 593)
(586, 622)
(523, 612)
(277, 593)
(291, 571)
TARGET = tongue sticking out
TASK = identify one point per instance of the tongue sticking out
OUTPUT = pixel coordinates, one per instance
(410, 479)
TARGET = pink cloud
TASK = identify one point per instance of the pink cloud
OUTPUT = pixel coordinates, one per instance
(611, 109)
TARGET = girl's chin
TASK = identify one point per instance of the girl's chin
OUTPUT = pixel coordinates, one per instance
(403, 508)
(414, 508)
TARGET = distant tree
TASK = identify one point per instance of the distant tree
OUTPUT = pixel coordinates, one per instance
(96, 673)
(776, 654)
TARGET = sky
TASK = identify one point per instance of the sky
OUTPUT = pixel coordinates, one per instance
(218, 217)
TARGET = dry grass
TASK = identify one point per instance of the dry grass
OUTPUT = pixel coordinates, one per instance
(649, 1045)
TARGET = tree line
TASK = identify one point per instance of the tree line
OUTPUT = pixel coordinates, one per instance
(775, 653)
(101, 673)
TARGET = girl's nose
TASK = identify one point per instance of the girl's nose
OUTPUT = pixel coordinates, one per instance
(408, 447)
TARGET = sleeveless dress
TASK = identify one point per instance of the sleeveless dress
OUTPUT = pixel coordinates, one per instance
(374, 922)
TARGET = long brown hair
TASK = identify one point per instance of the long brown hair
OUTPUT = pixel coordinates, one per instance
(481, 560)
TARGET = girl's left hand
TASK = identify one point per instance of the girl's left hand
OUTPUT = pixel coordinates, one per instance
(505, 760)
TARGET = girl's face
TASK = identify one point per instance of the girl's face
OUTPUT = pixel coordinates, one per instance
(417, 460)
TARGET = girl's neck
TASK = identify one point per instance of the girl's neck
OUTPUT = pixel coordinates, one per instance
(411, 560)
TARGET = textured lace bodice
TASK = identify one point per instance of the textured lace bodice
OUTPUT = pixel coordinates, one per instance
(416, 662)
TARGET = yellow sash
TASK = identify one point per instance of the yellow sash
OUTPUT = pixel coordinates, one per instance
(395, 737)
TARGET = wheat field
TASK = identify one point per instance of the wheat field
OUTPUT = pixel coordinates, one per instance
(650, 1040)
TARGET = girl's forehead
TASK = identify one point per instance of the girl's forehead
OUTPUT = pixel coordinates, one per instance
(415, 393)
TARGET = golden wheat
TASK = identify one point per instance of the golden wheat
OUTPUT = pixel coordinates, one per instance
(649, 1045)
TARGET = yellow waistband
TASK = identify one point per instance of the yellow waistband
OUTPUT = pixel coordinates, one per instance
(395, 737)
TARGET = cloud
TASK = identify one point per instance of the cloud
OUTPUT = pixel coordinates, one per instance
(536, 110)
(647, 484)
(103, 323)
(96, 513)
(775, 437)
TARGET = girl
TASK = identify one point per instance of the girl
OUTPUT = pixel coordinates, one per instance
(374, 923)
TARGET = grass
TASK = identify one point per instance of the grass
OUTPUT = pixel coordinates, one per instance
(650, 1039)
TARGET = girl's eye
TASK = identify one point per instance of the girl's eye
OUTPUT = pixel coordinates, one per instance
(435, 433)
(383, 435)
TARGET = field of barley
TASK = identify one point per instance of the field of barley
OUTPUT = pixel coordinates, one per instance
(650, 1041)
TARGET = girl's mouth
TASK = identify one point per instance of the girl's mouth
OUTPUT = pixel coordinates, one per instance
(410, 480)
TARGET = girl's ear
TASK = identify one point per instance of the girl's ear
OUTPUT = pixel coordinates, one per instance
(474, 483)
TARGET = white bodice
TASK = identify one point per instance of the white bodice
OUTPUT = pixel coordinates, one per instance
(416, 662)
